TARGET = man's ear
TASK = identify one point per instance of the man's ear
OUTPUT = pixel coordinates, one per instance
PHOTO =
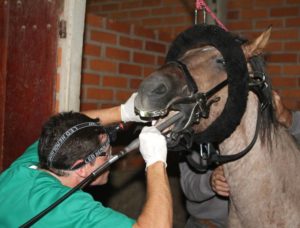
(82, 171)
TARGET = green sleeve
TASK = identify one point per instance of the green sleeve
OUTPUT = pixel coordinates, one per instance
(79, 210)
(30, 156)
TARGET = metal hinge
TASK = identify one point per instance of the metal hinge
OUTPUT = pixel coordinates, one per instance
(63, 29)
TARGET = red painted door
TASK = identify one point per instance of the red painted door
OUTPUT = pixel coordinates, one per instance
(28, 45)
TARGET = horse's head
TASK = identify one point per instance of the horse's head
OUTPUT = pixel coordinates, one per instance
(172, 86)
(206, 78)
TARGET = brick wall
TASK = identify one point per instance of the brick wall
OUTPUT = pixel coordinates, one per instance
(117, 57)
(245, 17)
(170, 16)
(250, 17)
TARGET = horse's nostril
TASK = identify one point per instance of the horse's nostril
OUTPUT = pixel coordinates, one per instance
(159, 90)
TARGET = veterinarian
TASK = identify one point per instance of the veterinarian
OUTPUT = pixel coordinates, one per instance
(207, 194)
(71, 146)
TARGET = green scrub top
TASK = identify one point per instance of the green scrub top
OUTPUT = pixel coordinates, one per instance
(26, 191)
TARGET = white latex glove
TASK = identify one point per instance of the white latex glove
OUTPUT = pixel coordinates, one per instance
(153, 146)
(127, 111)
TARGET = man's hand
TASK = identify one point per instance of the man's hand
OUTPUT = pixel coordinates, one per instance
(283, 114)
(218, 182)
(153, 146)
(127, 111)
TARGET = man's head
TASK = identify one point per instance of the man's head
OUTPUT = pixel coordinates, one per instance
(70, 141)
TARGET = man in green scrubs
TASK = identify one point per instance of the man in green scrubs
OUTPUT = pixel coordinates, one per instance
(70, 148)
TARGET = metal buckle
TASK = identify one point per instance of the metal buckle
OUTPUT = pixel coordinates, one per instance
(204, 155)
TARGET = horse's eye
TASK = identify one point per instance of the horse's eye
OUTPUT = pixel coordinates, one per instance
(221, 61)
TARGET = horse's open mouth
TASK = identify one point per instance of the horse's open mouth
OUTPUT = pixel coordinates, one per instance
(171, 126)
(159, 121)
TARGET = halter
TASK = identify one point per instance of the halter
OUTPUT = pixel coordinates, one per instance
(209, 155)
(238, 82)
(201, 100)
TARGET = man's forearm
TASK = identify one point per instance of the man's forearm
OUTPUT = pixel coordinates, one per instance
(107, 115)
(157, 211)
(196, 186)
(294, 127)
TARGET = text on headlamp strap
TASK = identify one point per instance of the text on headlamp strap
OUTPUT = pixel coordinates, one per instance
(67, 135)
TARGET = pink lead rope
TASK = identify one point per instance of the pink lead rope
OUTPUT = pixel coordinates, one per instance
(201, 5)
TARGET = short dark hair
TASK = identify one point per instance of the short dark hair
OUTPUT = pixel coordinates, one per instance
(75, 146)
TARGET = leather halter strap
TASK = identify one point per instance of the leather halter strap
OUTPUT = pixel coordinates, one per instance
(187, 75)
(192, 84)
(208, 156)
(211, 156)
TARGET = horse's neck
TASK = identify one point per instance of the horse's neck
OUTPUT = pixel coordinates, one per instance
(244, 134)
(261, 180)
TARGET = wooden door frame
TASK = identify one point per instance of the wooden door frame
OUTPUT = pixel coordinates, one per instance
(70, 70)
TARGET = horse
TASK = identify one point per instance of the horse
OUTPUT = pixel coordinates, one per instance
(217, 81)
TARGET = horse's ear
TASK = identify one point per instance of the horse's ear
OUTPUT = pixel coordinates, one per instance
(256, 46)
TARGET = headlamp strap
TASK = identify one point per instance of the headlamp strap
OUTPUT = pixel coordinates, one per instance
(67, 135)
(92, 156)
